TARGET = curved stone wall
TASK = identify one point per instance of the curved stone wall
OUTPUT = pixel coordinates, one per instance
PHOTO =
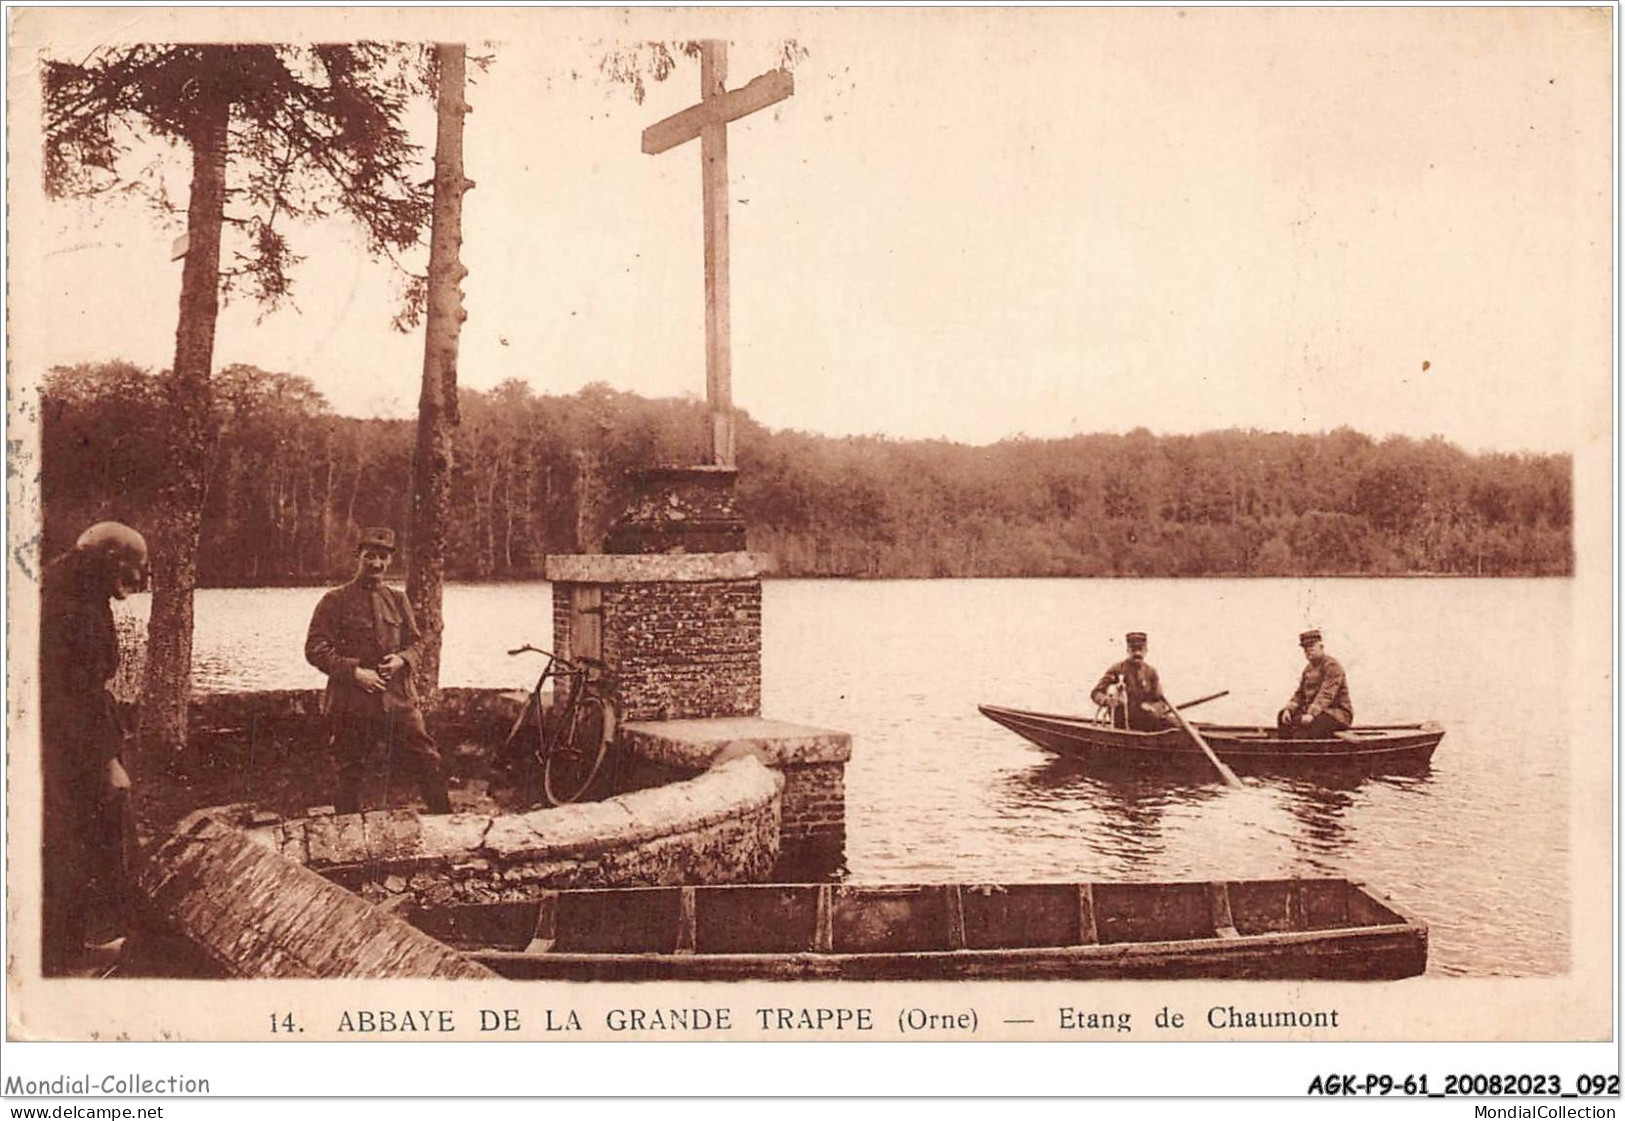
(721, 826)
(813, 761)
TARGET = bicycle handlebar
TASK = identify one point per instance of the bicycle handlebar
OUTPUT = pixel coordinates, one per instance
(581, 662)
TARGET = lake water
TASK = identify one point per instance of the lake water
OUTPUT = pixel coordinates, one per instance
(1477, 847)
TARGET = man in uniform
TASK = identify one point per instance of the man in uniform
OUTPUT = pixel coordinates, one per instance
(364, 637)
(1132, 690)
(85, 850)
(1321, 706)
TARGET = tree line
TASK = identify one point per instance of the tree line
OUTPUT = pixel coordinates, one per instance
(290, 482)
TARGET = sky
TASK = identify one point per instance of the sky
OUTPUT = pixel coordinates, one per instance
(972, 225)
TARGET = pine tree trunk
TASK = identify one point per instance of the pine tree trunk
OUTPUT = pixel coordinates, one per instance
(437, 405)
(507, 513)
(335, 562)
(584, 486)
(178, 513)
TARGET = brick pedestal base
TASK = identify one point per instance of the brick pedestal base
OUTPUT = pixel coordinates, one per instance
(681, 634)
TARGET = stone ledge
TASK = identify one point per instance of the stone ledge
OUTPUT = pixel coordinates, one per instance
(229, 711)
(653, 568)
(679, 472)
(694, 745)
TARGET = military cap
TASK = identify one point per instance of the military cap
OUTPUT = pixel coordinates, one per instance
(378, 537)
(1136, 638)
(1308, 638)
(113, 538)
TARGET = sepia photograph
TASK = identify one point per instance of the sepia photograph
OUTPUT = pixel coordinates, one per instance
(802, 525)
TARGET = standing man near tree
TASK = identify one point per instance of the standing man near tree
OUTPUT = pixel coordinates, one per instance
(85, 850)
(364, 637)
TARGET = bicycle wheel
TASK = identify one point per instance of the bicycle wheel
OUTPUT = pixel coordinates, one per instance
(516, 764)
(577, 751)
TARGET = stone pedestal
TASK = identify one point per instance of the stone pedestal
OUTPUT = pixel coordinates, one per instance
(674, 611)
(679, 510)
(680, 633)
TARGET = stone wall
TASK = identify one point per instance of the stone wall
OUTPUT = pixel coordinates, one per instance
(719, 827)
(294, 715)
(812, 760)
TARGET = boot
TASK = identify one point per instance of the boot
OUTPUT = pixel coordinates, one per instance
(433, 788)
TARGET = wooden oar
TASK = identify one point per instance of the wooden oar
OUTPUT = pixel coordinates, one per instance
(1225, 773)
(1205, 700)
(1103, 713)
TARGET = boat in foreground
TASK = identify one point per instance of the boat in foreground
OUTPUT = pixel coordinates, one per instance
(1376, 747)
(1258, 929)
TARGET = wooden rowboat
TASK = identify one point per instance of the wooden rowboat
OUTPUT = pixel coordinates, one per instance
(1266, 929)
(1376, 747)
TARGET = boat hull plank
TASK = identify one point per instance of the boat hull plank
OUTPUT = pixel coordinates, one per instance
(1279, 929)
(1374, 956)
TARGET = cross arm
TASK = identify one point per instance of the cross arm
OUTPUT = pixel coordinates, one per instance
(758, 93)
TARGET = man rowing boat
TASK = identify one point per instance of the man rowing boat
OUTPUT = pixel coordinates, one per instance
(1132, 690)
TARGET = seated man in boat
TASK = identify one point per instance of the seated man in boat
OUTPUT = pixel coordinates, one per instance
(1321, 706)
(1132, 690)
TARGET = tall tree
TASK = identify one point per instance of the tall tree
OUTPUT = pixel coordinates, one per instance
(275, 131)
(437, 404)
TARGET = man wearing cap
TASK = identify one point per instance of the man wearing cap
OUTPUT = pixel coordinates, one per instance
(364, 637)
(85, 840)
(1321, 706)
(1131, 689)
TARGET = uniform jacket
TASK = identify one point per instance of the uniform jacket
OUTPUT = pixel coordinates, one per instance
(1141, 679)
(355, 625)
(79, 723)
(1324, 687)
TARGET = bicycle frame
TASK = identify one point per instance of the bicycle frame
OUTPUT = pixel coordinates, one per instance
(580, 672)
(583, 709)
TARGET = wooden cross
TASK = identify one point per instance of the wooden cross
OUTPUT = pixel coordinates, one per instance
(709, 121)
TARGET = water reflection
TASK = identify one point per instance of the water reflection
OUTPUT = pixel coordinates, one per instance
(1056, 774)
(1136, 821)
(1322, 813)
(1121, 815)
(1325, 805)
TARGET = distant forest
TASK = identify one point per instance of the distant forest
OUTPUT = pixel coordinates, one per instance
(291, 482)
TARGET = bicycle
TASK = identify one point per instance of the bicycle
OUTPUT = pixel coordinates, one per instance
(570, 748)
